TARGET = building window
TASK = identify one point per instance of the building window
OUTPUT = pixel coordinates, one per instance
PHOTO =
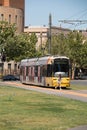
(9, 68)
(16, 19)
(21, 22)
(2, 17)
(15, 67)
(20, 19)
(9, 19)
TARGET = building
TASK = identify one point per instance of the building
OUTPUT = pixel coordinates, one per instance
(13, 12)
(42, 33)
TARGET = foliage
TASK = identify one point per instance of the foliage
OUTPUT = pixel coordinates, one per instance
(76, 50)
(6, 31)
(21, 46)
(70, 45)
(83, 56)
(42, 50)
(58, 44)
(17, 47)
(75, 43)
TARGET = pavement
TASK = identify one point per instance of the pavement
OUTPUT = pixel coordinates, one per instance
(80, 95)
(79, 128)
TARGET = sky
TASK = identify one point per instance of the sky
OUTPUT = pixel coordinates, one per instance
(37, 12)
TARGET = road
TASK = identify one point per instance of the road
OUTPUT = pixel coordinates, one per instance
(80, 95)
(79, 82)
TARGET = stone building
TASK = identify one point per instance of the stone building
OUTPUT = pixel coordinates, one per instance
(42, 33)
(12, 11)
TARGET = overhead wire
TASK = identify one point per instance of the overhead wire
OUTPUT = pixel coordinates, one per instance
(82, 14)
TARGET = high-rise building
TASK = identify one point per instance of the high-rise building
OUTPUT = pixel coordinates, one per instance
(13, 11)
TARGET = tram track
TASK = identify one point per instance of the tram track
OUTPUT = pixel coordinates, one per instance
(80, 95)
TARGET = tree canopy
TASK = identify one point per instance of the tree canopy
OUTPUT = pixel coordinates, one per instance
(16, 46)
(71, 45)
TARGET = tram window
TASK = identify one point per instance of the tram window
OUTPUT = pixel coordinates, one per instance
(49, 70)
(61, 67)
(27, 71)
(44, 70)
(36, 71)
(21, 70)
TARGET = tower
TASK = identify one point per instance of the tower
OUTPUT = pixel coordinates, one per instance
(13, 11)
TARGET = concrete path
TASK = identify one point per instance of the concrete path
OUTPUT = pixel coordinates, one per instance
(80, 95)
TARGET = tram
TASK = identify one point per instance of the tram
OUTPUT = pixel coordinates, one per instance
(44, 71)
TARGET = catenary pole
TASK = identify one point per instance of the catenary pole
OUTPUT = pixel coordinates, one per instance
(50, 24)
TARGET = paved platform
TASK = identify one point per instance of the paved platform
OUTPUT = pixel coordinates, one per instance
(80, 95)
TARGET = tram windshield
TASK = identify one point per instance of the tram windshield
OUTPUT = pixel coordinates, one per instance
(61, 66)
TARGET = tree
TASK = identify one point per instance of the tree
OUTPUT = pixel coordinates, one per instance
(6, 30)
(21, 46)
(83, 56)
(75, 45)
(16, 46)
(72, 46)
(58, 44)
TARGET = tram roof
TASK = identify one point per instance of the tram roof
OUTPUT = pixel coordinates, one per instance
(41, 60)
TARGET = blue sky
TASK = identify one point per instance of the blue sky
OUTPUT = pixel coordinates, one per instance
(37, 12)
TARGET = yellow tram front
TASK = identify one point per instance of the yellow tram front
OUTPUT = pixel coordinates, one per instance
(55, 67)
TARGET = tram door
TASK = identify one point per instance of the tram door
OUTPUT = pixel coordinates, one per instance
(24, 73)
(39, 74)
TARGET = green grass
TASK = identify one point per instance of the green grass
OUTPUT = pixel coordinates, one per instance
(78, 87)
(29, 110)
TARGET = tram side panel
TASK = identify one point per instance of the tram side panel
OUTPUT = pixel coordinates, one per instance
(41, 75)
(37, 75)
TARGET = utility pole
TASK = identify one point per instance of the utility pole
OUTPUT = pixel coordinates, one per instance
(50, 24)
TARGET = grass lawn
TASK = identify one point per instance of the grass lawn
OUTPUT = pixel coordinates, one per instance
(78, 87)
(29, 110)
